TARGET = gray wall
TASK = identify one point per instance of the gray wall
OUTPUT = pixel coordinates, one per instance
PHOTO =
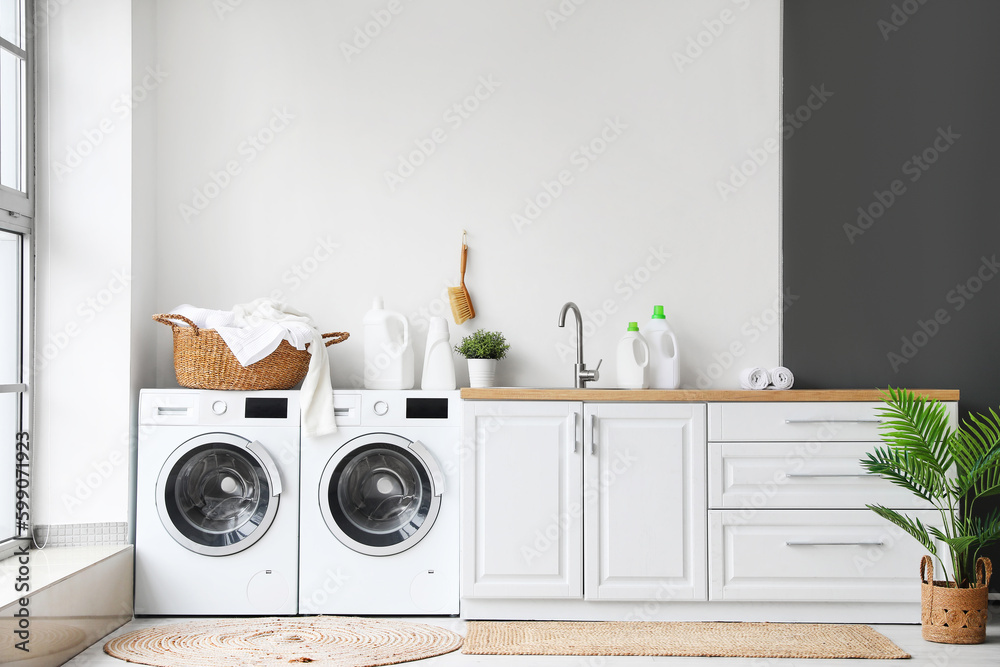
(909, 295)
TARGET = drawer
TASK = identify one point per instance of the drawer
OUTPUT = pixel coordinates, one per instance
(820, 475)
(793, 421)
(813, 555)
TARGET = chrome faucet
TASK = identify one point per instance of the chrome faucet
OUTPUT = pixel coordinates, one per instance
(581, 376)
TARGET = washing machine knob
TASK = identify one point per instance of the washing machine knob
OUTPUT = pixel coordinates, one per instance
(381, 408)
(219, 407)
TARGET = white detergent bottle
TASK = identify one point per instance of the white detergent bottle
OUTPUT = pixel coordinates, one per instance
(388, 349)
(664, 365)
(439, 360)
(633, 359)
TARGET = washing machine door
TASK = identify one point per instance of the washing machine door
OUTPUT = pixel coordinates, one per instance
(381, 493)
(218, 493)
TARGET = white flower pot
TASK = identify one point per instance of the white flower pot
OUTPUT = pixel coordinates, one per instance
(482, 372)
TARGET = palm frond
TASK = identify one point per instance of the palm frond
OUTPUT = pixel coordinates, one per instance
(918, 426)
(906, 470)
(977, 453)
(913, 526)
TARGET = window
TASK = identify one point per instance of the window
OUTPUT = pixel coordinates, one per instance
(16, 222)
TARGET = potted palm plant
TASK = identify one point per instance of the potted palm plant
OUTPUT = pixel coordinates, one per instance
(483, 349)
(951, 470)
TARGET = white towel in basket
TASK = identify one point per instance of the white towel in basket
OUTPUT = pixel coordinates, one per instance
(254, 330)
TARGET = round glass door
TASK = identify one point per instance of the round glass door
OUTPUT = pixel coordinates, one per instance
(378, 494)
(215, 495)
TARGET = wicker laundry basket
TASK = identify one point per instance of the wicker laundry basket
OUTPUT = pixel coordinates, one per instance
(202, 360)
(951, 615)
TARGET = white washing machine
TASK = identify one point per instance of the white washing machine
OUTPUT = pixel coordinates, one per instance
(380, 506)
(217, 507)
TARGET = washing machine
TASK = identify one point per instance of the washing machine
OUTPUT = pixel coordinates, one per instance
(379, 532)
(217, 507)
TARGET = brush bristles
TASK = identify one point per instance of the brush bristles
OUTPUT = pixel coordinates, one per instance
(461, 304)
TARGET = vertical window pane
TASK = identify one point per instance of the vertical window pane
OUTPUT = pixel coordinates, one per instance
(10, 308)
(8, 451)
(11, 21)
(12, 114)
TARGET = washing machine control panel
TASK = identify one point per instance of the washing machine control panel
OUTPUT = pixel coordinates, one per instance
(381, 408)
(219, 407)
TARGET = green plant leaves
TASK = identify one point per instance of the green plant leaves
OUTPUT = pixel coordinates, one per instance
(483, 345)
(944, 467)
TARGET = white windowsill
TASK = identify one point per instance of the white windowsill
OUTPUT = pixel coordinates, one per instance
(49, 566)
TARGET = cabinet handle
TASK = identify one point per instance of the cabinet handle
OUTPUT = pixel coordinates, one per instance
(576, 441)
(834, 474)
(593, 434)
(833, 421)
(808, 543)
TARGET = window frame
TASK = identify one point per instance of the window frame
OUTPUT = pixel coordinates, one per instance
(17, 216)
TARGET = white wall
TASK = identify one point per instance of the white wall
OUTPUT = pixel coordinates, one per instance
(84, 362)
(312, 196)
(340, 119)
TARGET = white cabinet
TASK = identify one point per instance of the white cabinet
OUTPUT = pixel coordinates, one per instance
(522, 499)
(600, 501)
(787, 515)
(644, 472)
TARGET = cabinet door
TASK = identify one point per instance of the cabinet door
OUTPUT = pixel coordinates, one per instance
(645, 500)
(521, 489)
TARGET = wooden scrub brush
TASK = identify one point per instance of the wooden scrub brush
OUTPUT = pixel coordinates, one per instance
(461, 302)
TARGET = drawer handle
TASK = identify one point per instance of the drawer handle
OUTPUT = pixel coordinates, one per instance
(807, 543)
(833, 421)
(861, 475)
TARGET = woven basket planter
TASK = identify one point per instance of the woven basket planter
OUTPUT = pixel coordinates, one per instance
(951, 615)
(202, 360)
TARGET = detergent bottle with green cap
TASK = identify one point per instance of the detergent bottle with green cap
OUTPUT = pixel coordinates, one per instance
(633, 359)
(664, 366)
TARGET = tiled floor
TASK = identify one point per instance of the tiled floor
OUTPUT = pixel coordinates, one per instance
(925, 654)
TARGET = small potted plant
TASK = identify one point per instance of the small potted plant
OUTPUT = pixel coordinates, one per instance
(950, 470)
(483, 349)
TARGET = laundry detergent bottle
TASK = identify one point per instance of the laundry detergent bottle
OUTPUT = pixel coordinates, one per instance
(388, 349)
(633, 359)
(439, 359)
(664, 366)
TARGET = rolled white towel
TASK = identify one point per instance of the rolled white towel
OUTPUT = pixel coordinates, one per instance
(782, 378)
(754, 378)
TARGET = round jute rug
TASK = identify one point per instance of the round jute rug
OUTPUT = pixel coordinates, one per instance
(322, 641)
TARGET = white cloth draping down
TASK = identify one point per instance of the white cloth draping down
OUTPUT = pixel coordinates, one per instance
(254, 330)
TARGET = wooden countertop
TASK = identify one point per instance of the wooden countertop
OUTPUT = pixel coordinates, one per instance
(689, 395)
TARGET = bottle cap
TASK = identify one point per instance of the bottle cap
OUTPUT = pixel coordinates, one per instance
(658, 313)
(377, 303)
(633, 326)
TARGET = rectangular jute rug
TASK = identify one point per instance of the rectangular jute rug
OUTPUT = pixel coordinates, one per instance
(734, 640)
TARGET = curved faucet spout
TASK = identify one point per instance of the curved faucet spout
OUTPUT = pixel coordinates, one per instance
(581, 376)
(569, 305)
